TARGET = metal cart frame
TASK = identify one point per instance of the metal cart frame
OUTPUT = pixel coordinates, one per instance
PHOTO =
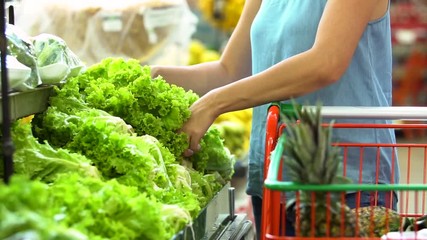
(272, 209)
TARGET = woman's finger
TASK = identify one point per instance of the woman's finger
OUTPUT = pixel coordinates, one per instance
(188, 153)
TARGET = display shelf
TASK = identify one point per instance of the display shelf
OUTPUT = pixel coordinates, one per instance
(23, 104)
(213, 221)
(207, 217)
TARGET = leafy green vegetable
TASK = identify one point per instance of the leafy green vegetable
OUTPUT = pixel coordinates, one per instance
(125, 89)
(91, 114)
(79, 208)
(42, 162)
(152, 106)
(205, 186)
(113, 211)
(49, 49)
(115, 152)
(139, 161)
(215, 157)
(26, 212)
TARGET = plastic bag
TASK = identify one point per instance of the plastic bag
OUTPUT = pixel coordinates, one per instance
(55, 60)
(18, 73)
(20, 46)
(49, 49)
(96, 29)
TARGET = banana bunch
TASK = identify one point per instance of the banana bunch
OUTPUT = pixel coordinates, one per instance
(222, 14)
(235, 129)
(199, 53)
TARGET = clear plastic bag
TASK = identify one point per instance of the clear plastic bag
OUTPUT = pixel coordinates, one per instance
(97, 29)
(55, 60)
(18, 73)
(20, 46)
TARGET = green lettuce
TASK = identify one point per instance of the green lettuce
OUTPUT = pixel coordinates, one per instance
(26, 212)
(79, 208)
(112, 210)
(151, 106)
(41, 161)
(138, 161)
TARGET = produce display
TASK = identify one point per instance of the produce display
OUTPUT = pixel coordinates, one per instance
(105, 160)
(78, 208)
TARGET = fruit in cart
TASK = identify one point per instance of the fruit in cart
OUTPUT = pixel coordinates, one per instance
(377, 220)
(311, 159)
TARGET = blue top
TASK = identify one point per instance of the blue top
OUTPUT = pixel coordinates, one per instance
(284, 28)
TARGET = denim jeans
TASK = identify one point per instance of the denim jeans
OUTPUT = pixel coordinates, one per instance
(366, 199)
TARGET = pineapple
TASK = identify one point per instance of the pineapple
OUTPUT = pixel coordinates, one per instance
(311, 159)
(378, 220)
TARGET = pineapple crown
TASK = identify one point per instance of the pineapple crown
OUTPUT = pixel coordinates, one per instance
(309, 154)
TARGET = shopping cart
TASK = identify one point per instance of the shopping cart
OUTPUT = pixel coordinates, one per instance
(411, 192)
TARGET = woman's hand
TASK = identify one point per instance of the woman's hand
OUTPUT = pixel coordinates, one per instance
(203, 114)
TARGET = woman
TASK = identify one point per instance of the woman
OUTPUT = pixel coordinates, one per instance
(334, 51)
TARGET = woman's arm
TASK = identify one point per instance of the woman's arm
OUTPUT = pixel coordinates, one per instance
(339, 31)
(234, 64)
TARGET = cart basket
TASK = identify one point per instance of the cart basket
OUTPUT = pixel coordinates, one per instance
(411, 190)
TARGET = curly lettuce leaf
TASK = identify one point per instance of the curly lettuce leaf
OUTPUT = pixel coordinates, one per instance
(215, 157)
(26, 212)
(109, 209)
(126, 89)
(138, 161)
(152, 106)
(42, 162)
